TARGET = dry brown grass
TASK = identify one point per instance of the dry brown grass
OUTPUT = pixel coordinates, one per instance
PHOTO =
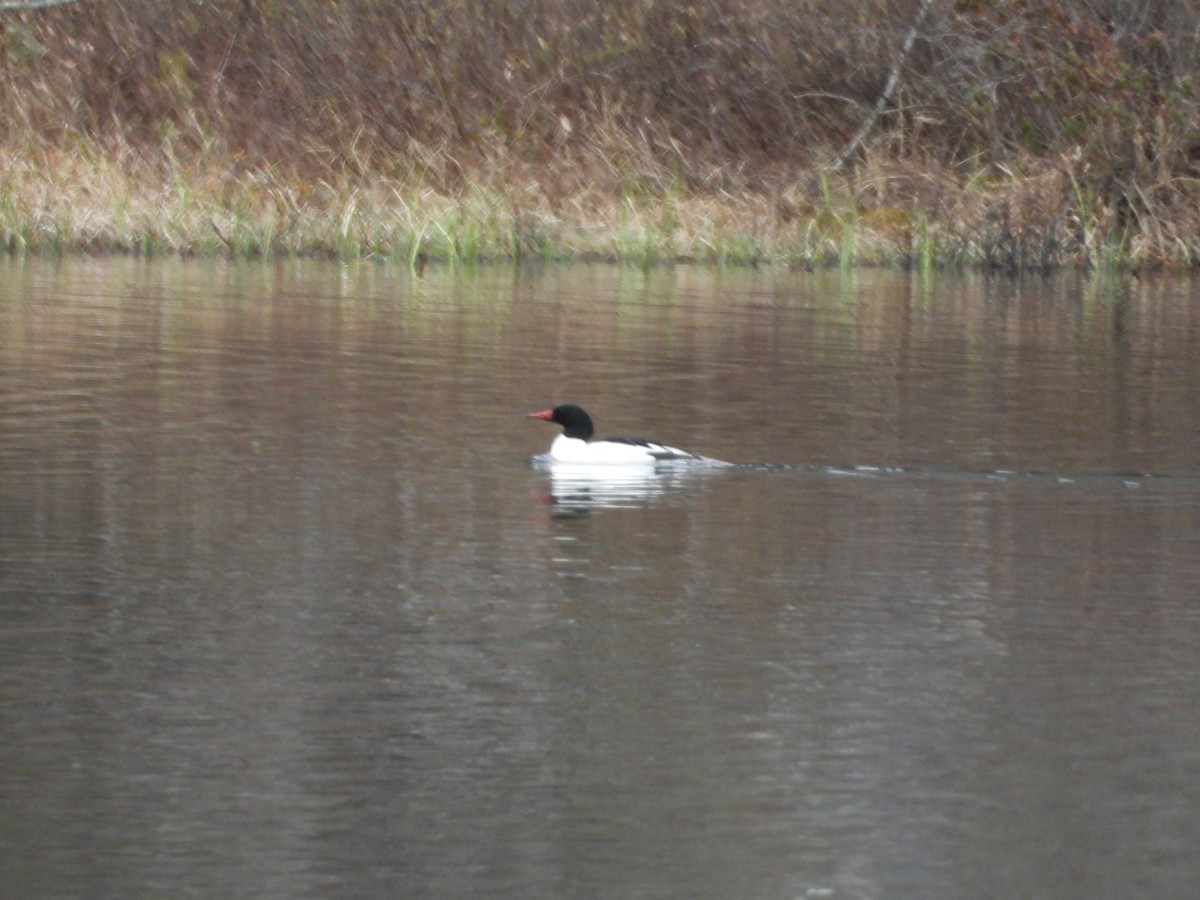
(1022, 135)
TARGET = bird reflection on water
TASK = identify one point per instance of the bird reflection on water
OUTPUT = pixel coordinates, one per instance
(579, 489)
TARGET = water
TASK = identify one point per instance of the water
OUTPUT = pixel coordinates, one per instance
(284, 611)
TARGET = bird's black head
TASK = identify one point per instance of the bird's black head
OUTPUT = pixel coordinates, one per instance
(575, 422)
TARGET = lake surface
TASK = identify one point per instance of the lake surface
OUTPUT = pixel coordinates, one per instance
(285, 612)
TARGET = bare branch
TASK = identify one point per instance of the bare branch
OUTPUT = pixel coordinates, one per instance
(888, 89)
(32, 4)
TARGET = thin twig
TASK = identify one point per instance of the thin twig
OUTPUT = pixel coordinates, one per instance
(32, 4)
(888, 89)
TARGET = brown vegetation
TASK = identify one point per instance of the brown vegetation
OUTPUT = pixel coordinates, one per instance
(1021, 133)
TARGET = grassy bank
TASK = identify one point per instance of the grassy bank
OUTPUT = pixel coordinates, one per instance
(1012, 135)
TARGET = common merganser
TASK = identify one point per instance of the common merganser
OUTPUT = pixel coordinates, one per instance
(575, 446)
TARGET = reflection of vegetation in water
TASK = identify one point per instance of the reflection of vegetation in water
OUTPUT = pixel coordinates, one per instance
(1018, 136)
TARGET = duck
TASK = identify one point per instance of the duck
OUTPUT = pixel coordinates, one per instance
(575, 445)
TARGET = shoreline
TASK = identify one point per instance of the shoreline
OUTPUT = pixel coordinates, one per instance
(1032, 222)
(1007, 137)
